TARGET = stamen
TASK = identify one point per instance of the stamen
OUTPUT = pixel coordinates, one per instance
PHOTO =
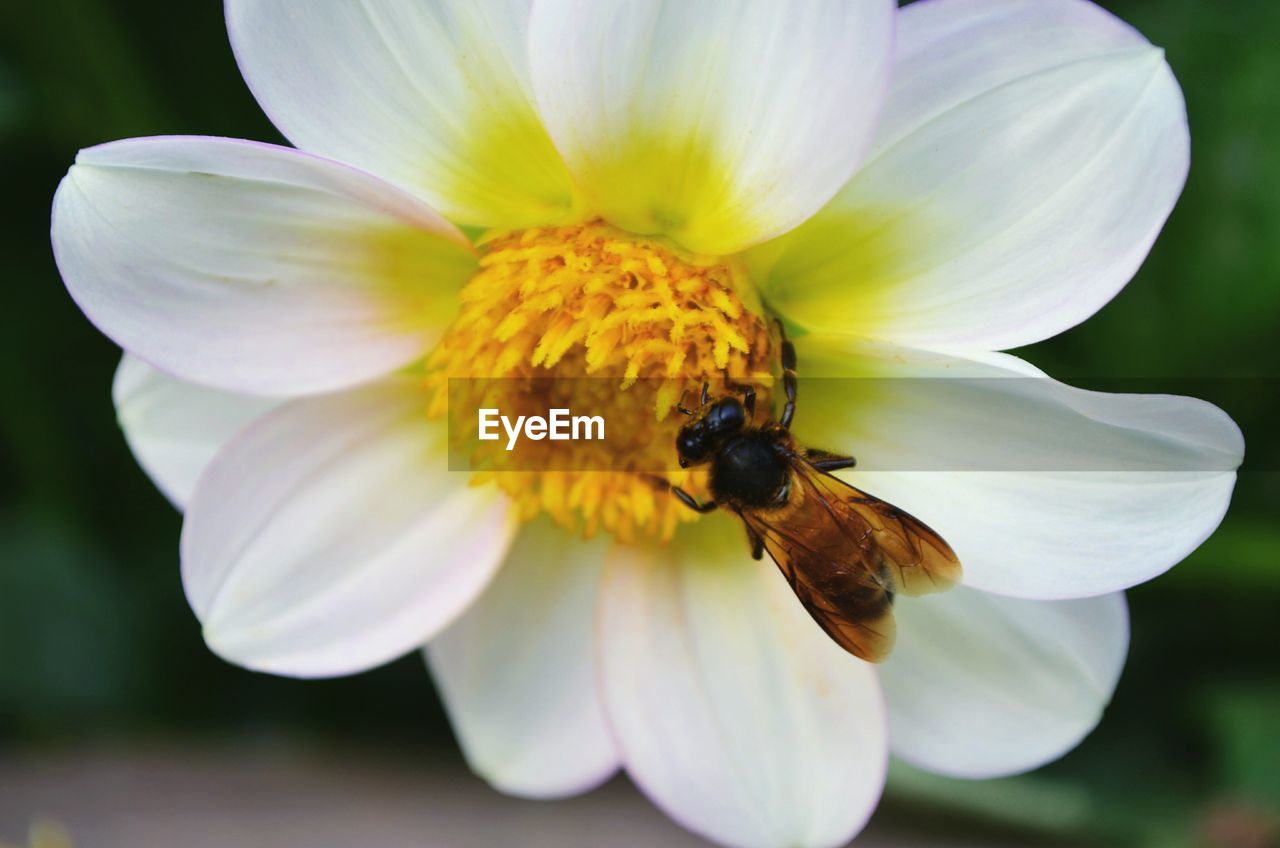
(591, 301)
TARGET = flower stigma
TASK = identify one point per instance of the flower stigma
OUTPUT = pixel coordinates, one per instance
(612, 324)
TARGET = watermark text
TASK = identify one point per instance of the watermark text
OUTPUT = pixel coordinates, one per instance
(559, 425)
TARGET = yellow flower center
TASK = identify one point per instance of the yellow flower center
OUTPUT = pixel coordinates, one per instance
(623, 325)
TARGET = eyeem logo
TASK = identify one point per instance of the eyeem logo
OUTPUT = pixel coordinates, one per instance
(560, 426)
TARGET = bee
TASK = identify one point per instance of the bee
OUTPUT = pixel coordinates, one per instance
(845, 553)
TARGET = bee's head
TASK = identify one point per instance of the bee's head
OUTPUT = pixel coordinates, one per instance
(698, 439)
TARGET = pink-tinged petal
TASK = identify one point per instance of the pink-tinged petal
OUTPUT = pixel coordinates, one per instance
(1043, 490)
(517, 671)
(718, 124)
(175, 428)
(433, 95)
(733, 710)
(254, 268)
(981, 686)
(330, 537)
(1029, 154)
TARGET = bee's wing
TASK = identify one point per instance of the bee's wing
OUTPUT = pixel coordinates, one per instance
(835, 581)
(845, 554)
(917, 558)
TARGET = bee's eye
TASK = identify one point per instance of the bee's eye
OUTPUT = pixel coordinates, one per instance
(728, 416)
(691, 445)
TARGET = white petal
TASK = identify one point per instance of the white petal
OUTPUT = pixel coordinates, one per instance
(432, 95)
(330, 537)
(720, 124)
(1043, 490)
(517, 671)
(254, 268)
(733, 710)
(175, 428)
(980, 685)
(1029, 155)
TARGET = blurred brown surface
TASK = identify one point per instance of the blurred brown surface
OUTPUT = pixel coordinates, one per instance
(168, 799)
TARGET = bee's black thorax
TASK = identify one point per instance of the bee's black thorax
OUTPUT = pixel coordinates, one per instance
(751, 469)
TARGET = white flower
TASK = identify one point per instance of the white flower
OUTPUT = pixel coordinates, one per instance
(987, 177)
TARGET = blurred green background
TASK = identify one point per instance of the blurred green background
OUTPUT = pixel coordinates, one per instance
(97, 645)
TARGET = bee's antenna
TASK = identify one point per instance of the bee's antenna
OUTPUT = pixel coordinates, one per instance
(706, 393)
(681, 408)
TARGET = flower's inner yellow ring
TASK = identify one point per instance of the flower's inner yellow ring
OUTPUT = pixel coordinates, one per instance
(592, 301)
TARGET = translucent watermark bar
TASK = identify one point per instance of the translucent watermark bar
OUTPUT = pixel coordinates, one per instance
(975, 424)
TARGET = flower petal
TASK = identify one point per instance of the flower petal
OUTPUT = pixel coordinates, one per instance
(254, 268)
(433, 96)
(517, 671)
(1029, 155)
(733, 710)
(175, 428)
(1043, 490)
(980, 686)
(719, 124)
(329, 537)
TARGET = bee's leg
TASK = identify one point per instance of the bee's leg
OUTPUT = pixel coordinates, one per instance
(788, 357)
(757, 543)
(689, 501)
(828, 461)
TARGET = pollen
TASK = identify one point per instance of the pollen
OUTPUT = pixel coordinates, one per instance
(618, 326)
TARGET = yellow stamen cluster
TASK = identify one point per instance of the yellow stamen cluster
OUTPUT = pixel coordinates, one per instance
(647, 321)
